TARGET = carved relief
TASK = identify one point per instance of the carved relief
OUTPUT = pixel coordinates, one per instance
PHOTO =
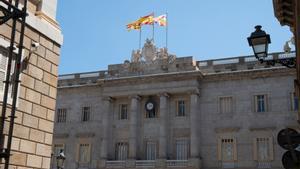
(149, 51)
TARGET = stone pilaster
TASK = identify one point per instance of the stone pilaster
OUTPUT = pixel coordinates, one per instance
(133, 117)
(163, 120)
(194, 115)
(106, 127)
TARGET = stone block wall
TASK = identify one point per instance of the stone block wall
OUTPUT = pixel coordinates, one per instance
(33, 129)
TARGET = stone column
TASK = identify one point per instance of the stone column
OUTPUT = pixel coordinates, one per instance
(133, 117)
(163, 123)
(105, 127)
(194, 116)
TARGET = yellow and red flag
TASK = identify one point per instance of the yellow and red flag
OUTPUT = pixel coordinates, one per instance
(161, 20)
(145, 20)
(133, 26)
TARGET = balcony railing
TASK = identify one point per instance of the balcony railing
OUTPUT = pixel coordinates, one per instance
(177, 163)
(265, 164)
(115, 164)
(145, 163)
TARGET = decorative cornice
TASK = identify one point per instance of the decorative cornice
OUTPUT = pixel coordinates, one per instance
(62, 135)
(246, 74)
(135, 96)
(42, 15)
(85, 135)
(227, 129)
(262, 128)
(107, 98)
(164, 94)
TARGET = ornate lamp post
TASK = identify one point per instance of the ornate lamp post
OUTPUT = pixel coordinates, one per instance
(60, 160)
(259, 40)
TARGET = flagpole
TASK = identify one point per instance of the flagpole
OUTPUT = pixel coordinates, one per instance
(153, 29)
(167, 25)
(140, 38)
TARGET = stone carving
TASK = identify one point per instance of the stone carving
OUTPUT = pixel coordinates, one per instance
(149, 51)
(151, 55)
(136, 56)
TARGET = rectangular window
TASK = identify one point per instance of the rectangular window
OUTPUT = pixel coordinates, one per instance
(3, 67)
(225, 105)
(227, 150)
(86, 111)
(294, 102)
(260, 103)
(180, 108)
(61, 115)
(182, 149)
(123, 112)
(150, 150)
(262, 149)
(121, 151)
(84, 153)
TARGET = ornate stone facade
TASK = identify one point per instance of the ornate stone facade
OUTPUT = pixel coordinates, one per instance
(221, 113)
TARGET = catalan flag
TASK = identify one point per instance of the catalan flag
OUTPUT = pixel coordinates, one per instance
(133, 26)
(147, 20)
(161, 20)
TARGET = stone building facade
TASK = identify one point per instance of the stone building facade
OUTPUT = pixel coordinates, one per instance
(163, 111)
(33, 128)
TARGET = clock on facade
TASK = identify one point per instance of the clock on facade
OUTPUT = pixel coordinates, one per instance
(150, 105)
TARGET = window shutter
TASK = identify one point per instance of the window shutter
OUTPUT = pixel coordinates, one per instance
(234, 150)
(77, 152)
(255, 104)
(255, 149)
(271, 149)
(219, 149)
(3, 63)
(89, 153)
(266, 103)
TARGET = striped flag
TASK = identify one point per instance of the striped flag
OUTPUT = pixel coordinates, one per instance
(161, 20)
(145, 20)
(133, 26)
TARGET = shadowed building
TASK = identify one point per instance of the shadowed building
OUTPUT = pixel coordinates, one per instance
(163, 111)
(36, 95)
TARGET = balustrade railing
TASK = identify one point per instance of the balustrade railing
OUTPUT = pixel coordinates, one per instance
(115, 164)
(177, 163)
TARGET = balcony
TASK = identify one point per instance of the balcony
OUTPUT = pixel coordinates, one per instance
(115, 164)
(177, 163)
(159, 163)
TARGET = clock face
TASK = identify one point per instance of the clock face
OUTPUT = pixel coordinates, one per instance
(150, 106)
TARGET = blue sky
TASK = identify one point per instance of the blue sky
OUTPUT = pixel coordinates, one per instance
(95, 34)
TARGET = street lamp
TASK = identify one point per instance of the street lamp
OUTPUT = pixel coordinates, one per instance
(60, 159)
(259, 40)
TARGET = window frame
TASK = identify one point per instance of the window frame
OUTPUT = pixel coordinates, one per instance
(117, 148)
(220, 149)
(86, 115)
(177, 150)
(4, 45)
(221, 111)
(151, 142)
(270, 149)
(63, 115)
(178, 109)
(88, 160)
(293, 100)
(120, 113)
(257, 104)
